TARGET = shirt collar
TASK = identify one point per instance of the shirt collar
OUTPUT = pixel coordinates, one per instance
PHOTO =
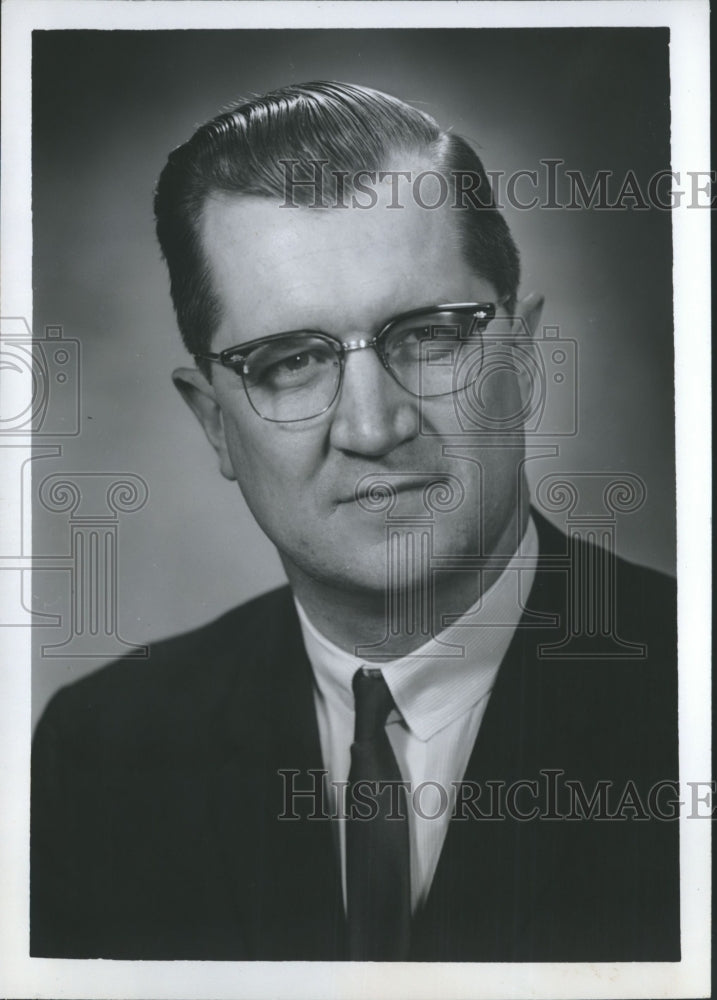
(449, 674)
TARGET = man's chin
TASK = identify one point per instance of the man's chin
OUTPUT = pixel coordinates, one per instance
(379, 562)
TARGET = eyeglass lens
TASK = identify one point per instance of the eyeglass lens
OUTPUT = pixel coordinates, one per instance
(298, 376)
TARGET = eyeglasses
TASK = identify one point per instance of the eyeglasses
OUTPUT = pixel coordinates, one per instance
(297, 375)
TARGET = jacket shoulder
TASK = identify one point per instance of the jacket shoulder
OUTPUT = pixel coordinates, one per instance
(183, 677)
(645, 596)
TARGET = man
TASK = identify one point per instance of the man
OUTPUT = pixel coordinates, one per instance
(369, 763)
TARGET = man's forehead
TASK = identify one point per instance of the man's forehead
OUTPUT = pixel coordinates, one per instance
(270, 226)
(310, 258)
(375, 206)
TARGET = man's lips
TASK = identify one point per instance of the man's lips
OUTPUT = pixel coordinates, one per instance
(376, 487)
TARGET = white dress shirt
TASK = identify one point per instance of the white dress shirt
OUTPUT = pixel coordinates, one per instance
(440, 703)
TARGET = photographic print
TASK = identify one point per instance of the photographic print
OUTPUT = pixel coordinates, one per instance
(350, 450)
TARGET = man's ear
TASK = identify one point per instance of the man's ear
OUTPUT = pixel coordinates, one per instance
(199, 395)
(526, 323)
(527, 315)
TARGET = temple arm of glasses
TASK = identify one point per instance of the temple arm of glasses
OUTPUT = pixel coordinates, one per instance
(217, 358)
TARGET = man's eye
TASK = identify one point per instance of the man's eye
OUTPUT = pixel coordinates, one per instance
(292, 369)
(297, 362)
(412, 335)
(407, 342)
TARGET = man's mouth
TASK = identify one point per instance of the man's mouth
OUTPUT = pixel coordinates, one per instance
(380, 490)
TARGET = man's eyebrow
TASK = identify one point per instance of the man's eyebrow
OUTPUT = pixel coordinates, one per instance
(417, 310)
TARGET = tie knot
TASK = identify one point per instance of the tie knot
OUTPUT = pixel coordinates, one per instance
(373, 703)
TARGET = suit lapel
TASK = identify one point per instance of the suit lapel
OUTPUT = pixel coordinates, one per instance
(492, 869)
(284, 870)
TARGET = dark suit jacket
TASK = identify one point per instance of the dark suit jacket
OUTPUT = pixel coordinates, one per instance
(156, 795)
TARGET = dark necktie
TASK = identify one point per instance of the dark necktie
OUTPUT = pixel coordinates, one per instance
(378, 884)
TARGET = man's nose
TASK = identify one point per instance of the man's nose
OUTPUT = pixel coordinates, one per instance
(373, 414)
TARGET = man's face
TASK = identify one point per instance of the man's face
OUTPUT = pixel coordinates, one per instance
(346, 272)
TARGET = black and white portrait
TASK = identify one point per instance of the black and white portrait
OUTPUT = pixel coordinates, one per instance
(352, 451)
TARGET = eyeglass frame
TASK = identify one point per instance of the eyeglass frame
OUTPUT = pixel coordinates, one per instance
(231, 357)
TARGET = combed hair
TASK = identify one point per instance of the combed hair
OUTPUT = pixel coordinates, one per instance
(353, 128)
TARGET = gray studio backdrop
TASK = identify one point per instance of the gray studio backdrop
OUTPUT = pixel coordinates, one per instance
(108, 107)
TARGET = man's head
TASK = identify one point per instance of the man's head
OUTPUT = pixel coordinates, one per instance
(245, 265)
